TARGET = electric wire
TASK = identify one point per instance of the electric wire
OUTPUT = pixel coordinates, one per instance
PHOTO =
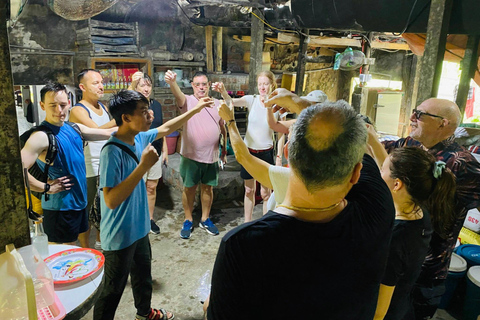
(408, 20)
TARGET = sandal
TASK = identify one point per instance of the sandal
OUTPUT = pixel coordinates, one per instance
(157, 314)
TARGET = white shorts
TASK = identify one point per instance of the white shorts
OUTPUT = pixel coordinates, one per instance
(155, 171)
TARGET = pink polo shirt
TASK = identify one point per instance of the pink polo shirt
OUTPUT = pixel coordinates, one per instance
(200, 136)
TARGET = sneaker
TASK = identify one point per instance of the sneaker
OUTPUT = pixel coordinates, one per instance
(209, 227)
(154, 228)
(156, 314)
(98, 245)
(186, 229)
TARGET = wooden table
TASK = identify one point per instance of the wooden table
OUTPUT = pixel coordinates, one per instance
(77, 297)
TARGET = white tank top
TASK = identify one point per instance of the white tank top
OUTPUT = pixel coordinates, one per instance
(93, 148)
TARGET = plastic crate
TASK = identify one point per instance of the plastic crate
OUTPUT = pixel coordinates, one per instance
(55, 311)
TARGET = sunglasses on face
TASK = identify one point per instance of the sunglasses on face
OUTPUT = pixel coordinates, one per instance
(418, 114)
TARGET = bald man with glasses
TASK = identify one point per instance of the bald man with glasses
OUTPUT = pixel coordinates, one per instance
(433, 125)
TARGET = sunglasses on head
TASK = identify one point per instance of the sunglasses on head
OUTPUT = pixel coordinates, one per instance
(418, 114)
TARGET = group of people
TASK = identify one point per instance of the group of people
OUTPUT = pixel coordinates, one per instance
(359, 229)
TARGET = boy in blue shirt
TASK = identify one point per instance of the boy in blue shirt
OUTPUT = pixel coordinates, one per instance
(125, 220)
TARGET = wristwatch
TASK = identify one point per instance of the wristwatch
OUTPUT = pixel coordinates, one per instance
(46, 188)
(229, 122)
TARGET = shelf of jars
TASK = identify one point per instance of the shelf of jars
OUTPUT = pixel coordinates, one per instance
(117, 72)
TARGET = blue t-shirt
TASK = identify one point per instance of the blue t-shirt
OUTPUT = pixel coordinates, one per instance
(130, 221)
(69, 161)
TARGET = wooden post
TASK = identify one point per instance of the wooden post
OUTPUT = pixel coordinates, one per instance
(368, 53)
(469, 65)
(437, 29)
(410, 97)
(13, 214)
(256, 51)
(209, 48)
(218, 51)
(302, 52)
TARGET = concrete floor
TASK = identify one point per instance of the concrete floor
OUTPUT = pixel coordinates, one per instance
(179, 264)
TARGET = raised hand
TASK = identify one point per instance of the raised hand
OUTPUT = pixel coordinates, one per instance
(206, 102)
(149, 156)
(218, 87)
(226, 112)
(170, 77)
(285, 101)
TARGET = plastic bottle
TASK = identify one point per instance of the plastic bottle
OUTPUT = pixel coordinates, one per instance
(40, 240)
(41, 276)
(203, 290)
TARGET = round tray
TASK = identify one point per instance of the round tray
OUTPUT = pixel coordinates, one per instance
(74, 264)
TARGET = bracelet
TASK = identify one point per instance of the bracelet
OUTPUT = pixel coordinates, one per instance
(279, 156)
(46, 187)
(230, 121)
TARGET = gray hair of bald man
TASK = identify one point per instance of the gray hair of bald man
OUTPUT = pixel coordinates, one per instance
(331, 158)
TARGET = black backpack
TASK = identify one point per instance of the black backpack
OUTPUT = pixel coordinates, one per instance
(52, 150)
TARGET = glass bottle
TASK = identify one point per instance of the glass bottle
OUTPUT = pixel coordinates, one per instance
(40, 240)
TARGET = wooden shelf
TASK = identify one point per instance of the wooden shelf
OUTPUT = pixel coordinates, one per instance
(166, 63)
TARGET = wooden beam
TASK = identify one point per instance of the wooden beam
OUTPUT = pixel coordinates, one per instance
(13, 212)
(209, 48)
(469, 65)
(218, 51)
(432, 60)
(268, 40)
(301, 66)
(318, 41)
(256, 51)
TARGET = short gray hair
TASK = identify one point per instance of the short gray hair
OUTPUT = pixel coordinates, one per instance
(330, 158)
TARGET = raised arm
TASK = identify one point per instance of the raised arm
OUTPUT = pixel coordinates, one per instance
(93, 134)
(171, 79)
(376, 147)
(285, 101)
(256, 167)
(175, 123)
(80, 115)
(36, 147)
(220, 87)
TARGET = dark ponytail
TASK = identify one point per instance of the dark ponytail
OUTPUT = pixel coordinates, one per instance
(415, 168)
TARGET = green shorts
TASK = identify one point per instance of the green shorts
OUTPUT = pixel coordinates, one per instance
(193, 172)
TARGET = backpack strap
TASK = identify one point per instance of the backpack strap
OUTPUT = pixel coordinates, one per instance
(124, 148)
(52, 150)
(77, 129)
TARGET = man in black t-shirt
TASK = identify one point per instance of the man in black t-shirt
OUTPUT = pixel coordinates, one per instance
(322, 252)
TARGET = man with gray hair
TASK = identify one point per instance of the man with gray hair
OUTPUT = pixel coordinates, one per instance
(321, 253)
(433, 125)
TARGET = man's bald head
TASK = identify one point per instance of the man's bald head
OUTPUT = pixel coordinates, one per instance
(328, 140)
(447, 109)
(437, 122)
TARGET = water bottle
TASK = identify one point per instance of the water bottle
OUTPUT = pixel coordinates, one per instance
(40, 240)
(204, 285)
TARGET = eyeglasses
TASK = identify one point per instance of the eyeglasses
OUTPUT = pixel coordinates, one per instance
(418, 114)
(200, 84)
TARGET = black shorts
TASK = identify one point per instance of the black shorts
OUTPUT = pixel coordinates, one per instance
(64, 226)
(264, 155)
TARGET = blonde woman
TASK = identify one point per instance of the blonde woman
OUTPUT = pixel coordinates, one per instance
(259, 136)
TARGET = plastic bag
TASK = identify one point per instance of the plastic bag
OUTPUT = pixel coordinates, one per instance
(204, 286)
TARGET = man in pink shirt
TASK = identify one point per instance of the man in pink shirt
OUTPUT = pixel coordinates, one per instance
(199, 151)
